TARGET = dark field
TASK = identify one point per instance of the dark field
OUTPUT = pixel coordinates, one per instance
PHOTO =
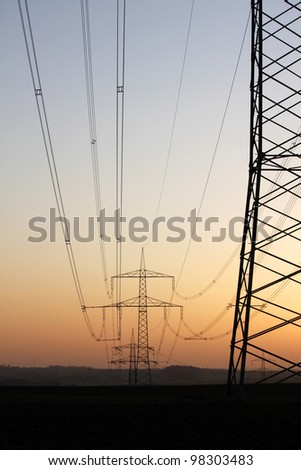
(165, 417)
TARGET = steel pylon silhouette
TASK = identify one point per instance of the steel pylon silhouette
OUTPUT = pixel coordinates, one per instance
(140, 373)
(126, 354)
(133, 360)
(143, 375)
(267, 313)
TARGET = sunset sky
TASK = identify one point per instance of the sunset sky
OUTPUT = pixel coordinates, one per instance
(41, 319)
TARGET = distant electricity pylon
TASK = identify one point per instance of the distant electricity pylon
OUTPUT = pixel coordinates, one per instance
(265, 319)
(142, 372)
(127, 355)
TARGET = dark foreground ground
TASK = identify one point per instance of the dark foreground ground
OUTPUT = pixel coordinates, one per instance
(182, 417)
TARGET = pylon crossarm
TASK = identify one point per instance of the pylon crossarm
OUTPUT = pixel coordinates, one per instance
(161, 303)
(148, 273)
(138, 358)
(134, 302)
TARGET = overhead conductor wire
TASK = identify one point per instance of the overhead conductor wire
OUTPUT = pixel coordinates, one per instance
(47, 140)
(85, 16)
(176, 107)
(177, 332)
(278, 225)
(215, 149)
(119, 146)
(86, 32)
(171, 141)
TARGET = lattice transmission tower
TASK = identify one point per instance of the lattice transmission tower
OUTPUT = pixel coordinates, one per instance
(139, 368)
(267, 318)
(126, 355)
(143, 374)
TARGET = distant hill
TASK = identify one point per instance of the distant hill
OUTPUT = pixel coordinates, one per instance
(86, 376)
(57, 375)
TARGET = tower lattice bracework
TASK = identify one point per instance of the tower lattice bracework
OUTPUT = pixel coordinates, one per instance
(267, 313)
(144, 302)
(126, 355)
(139, 360)
(143, 375)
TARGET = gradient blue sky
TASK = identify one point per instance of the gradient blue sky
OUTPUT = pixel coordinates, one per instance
(40, 313)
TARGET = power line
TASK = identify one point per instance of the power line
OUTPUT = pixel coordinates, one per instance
(177, 334)
(222, 271)
(176, 108)
(288, 208)
(85, 17)
(119, 137)
(47, 140)
(216, 147)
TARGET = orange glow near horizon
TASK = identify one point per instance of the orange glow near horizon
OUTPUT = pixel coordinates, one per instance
(41, 319)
